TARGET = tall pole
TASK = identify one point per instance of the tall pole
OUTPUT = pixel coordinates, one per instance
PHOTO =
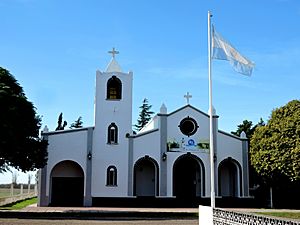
(211, 134)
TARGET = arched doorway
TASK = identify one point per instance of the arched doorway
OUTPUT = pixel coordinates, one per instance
(229, 178)
(188, 178)
(67, 184)
(146, 177)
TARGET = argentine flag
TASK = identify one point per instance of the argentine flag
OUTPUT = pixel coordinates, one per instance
(225, 51)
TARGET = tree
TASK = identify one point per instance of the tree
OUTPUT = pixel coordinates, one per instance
(144, 116)
(260, 123)
(275, 147)
(20, 145)
(275, 154)
(60, 125)
(77, 123)
(246, 126)
(255, 179)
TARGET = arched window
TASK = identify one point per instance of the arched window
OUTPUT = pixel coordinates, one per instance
(114, 88)
(112, 134)
(111, 176)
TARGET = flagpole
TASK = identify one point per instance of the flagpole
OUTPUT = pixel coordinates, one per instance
(211, 135)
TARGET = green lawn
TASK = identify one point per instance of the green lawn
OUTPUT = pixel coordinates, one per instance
(290, 215)
(20, 204)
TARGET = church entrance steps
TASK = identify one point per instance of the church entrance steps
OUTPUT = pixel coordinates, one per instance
(172, 202)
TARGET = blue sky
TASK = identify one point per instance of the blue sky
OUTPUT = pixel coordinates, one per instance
(54, 47)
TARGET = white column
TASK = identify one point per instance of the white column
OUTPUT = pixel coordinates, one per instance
(35, 189)
(11, 189)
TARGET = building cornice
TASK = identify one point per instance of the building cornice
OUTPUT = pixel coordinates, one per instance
(65, 131)
(143, 133)
(192, 107)
(232, 135)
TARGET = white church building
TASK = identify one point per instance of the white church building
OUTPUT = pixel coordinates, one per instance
(167, 160)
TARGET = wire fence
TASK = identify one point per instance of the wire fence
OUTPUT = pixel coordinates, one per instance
(10, 193)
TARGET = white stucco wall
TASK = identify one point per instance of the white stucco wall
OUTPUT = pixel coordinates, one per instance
(104, 154)
(229, 146)
(148, 144)
(101, 161)
(66, 146)
(202, 134)
(152, 124)
(174, 120)
(118, 111)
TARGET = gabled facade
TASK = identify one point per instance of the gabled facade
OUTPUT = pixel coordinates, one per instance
(168, 158)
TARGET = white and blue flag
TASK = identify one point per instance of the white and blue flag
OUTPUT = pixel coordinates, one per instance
(225, 51)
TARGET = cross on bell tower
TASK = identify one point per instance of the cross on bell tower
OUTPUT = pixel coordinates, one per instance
(188, 96)
(113, 52)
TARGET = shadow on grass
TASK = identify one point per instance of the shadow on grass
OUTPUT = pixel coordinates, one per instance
(19, 204)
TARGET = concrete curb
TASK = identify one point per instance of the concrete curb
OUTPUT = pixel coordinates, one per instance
(98, 215)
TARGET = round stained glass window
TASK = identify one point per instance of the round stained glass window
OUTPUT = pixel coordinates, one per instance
(188, 126)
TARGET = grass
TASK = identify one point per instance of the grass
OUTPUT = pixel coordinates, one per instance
(290, 215)
(20, 204)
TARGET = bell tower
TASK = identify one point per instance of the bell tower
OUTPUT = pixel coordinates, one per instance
(113, 120)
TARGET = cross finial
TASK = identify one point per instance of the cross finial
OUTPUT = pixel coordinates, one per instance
(113, 52)
(188, 96)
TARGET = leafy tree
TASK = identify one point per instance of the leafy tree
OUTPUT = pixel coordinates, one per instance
(77, 124)
(275, 147)
(144, 116)
(60, 125)
(20, 145)
(260, 123)
(246, 126)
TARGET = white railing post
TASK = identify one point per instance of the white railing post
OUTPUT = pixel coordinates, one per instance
(11, 189)
(35, 189)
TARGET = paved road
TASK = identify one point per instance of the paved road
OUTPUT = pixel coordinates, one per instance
(95, 222)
